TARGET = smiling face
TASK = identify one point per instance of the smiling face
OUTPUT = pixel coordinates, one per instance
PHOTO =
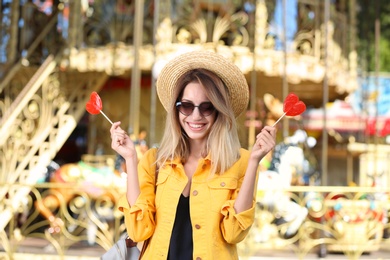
(196, 126)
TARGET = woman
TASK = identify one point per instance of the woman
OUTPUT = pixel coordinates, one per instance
(202, 203)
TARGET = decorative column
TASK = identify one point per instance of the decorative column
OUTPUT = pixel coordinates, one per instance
(136, 73)
(75, 34)
(161, 11)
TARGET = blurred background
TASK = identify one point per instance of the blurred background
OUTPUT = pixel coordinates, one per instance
(323, 192)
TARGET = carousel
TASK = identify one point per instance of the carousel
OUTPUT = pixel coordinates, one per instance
(60, 180)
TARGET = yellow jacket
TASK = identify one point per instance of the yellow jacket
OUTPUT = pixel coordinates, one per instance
(216, 226)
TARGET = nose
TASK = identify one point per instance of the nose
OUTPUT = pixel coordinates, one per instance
(196, 115)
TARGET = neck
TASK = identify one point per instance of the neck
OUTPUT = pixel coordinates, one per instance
(197, 148)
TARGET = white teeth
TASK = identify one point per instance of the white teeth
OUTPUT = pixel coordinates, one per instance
(195, 125)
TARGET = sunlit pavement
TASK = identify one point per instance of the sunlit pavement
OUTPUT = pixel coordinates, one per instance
(382, 254)
(33, 249)
(50, 257)
(376, 255)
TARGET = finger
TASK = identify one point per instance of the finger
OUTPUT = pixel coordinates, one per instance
(118, 132)
(265, 141)
(271, 130)
(114, 126)
(264, 135)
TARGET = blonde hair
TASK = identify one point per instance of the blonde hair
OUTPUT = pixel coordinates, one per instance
(222, 144)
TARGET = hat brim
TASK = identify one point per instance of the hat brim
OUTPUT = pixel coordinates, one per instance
(229, 73)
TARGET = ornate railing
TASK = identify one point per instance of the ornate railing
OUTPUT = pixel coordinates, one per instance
(85, 218)
(303, 220)
(42, 117)
(344, 220)
(40, 104)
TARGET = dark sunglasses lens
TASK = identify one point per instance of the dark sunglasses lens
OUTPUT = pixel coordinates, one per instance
(186, 108)
(206, 109)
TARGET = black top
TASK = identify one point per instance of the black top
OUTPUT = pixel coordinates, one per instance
(180, 247)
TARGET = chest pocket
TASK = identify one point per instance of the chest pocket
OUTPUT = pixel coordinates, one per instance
(221, 190)
(162, 178)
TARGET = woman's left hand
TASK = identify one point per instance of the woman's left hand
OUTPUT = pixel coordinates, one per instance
(265, 142)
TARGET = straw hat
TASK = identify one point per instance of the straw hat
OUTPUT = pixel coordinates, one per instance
(230, 74)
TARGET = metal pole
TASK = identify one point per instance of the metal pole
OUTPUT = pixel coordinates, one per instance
(136, 73)
(13, 32)
(253, 79)
(377, 69)
(153, 94)
(325, 99)
(352, 33)
(285, 83)
(75, 37)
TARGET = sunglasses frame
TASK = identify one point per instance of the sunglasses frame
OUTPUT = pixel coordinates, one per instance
(180, 103)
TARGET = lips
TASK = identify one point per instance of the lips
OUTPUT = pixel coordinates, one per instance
(196, 127)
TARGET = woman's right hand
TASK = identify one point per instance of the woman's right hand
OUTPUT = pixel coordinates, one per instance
(121, 142)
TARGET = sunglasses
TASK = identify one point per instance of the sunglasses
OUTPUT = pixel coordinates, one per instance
(187, 108)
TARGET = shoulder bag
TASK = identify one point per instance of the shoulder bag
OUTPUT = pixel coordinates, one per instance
(125, 248)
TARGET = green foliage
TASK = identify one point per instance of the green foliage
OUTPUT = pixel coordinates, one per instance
(371, 12)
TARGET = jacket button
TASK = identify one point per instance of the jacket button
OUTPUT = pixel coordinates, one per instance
(197, 226)
(198, 258)
(195, 192)
(223, 184)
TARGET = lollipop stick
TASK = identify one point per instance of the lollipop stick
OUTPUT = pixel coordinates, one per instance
(279, 119)
(106, 117)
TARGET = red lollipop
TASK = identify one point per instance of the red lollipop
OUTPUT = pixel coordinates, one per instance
(292, 106)
(94, 105)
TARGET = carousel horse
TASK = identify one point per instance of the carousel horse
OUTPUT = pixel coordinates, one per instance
(97, 182)
(289, 166)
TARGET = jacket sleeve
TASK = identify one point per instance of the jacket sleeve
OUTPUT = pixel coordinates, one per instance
(139, 219)
(235, 226)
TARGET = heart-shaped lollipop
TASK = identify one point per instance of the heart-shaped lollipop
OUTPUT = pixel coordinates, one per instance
(94, 105)
(292, 106)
